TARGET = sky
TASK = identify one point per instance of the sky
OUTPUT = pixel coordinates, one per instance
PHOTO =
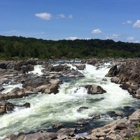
(71, 19)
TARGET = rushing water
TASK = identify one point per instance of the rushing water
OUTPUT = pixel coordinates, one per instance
(62, 108)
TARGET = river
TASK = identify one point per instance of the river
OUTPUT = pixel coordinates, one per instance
(63, 108)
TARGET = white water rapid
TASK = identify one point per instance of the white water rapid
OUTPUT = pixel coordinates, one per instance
(62, 108)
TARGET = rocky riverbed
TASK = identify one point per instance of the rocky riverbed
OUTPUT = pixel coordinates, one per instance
(125, 73)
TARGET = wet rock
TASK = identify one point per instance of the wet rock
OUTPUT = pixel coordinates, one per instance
(112, 72)
(94, 89)
(81, 123)
(57, 126)
(82, 108)
(34, 82)
(125, 86)
(95, 116)
(1, 88)
(6, 107)
(27, 105)
(16, 93)
(127, 107)
(66, 132)
(60, 68)
(104, 79)
(80, 66)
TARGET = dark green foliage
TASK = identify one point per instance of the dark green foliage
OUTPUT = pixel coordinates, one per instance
(22, 48)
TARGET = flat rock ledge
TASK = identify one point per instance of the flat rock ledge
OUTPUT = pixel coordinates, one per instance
(117, 130)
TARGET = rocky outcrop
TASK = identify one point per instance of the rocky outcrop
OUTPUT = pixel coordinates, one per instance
(112, 72)
(94, 89)
(42, 84)
(128, 75)
(118, 129)
(7, 107)
(62, 71)
(16, 93)
(63, 133)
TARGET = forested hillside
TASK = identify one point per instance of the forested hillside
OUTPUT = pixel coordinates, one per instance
(21, 48)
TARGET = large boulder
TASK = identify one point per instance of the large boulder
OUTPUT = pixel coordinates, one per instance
(3, 65)
(35, 82)
(94, 89)
(42, 84)
(60, 68)
(112, 72)
(6, 107)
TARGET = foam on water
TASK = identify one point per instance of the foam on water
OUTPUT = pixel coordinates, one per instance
(8, 88)
(49, 109)
(37, 70)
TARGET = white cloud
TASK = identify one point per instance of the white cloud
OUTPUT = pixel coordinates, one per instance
(130, 38)
(96, 31)
(127, 22)
(137, 41)
(70, 16)
(61, 16)
(137, 24)
(45, 16)
(72, 38)
(114, 36)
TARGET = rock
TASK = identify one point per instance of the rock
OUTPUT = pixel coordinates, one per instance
(138, 91)
(125, 86)
(112, 72)
(57, 126)
(6, 107)
(80, 66)
(66, 132)
(10, 137)
(82, 108)
(3, 65)
(34, 82)
(1, 88)
(94, 89)
(104, 79)
(41, 136)
(60, 68)
(27, 105)
(16, 93)
(115, 79)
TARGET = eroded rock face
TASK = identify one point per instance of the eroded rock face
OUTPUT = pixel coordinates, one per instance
(128, 75)
(94, 89)
(113, 71)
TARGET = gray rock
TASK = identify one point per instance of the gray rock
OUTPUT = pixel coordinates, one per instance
(94, 89)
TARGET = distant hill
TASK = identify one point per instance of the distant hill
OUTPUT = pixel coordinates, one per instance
(22, 48)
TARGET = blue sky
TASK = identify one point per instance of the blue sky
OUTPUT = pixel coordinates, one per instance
(71, 19)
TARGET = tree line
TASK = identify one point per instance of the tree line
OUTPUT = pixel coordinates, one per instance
(23, 48)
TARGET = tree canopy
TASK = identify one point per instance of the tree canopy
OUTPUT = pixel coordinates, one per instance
(22, 48)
